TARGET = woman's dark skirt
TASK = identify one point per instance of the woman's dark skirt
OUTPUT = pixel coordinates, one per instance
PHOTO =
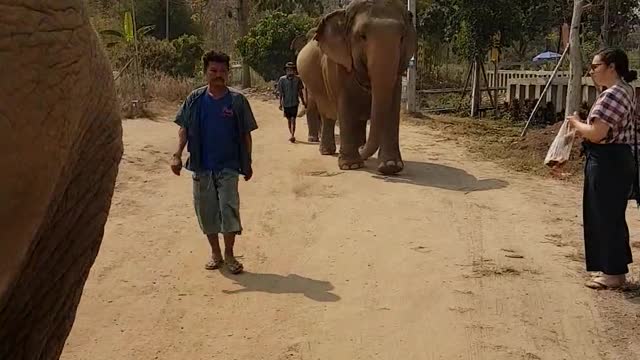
(609, 175)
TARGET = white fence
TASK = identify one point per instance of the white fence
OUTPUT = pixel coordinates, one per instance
(505, 75)
(528, 85)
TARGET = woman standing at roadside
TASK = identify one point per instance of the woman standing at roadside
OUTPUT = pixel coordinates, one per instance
(610, 169)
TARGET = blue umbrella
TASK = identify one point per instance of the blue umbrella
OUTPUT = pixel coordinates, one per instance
(547, 55)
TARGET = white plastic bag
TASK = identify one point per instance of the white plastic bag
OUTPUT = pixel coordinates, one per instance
(560, 148)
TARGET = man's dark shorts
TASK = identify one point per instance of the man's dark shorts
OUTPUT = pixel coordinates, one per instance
(291, 112)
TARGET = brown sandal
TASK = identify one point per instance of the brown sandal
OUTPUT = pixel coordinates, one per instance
(598, 284)
(214, 264)
(234, 266)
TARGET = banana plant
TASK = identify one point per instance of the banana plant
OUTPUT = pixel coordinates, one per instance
(127, 33)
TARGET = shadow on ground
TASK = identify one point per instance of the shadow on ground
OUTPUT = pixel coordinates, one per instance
(632, 292)
(316, 290)
(438, 176)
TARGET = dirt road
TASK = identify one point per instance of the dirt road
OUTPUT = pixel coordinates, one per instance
(454, 259)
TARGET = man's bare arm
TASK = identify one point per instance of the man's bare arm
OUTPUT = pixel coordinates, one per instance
(182, 141)
(249, 143)
(301, 92)
(176, 159)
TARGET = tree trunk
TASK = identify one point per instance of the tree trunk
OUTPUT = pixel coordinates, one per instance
(605, 25)
(522, 50)
(476, 95)
(574, 91)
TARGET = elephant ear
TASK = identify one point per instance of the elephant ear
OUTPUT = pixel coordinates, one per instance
(298, 43)
(410, 43)
(332, 37)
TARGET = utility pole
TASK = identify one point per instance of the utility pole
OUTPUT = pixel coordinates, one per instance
(574, 91)
(605, 25)
(411, 71)
(167, 19)
(140, 96)
(243, 28)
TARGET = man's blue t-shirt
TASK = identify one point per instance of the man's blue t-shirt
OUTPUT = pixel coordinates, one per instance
(219, 134)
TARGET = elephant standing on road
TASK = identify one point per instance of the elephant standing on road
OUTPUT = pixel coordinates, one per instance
(353, 69)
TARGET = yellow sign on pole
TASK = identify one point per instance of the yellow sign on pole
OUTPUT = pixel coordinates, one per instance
(494, 54)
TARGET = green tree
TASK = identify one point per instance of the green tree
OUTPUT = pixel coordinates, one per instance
(310, 7)
(478, 22)
(179, 57)
(153, 12)
(148, 13)
(470, 25)
(532, 20)
(266, 48)
(624, 17)
(189, 49)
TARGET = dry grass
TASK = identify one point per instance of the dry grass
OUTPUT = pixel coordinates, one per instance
(165, 87)
(154, 86)
(500, 141)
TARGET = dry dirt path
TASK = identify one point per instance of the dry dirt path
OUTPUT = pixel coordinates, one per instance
(455, 259)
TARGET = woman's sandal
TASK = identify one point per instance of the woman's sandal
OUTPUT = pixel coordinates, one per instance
(598, 283)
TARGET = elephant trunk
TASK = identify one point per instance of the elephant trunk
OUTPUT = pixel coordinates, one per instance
(382, 68)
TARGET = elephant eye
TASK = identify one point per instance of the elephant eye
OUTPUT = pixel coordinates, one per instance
(363, 37)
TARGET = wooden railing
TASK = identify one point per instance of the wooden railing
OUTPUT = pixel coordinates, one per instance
(528, 85)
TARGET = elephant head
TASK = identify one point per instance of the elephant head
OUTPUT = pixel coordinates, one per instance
(374, 41)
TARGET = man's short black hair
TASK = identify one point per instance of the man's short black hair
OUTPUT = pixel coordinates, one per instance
(213, 56)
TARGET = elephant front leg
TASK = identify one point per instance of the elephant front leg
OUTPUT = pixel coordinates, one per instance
(361, 133)
(328, 138)
(389, 154)
(351, 138)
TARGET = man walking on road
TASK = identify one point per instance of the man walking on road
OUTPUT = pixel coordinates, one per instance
(290, 91)
(215, 125)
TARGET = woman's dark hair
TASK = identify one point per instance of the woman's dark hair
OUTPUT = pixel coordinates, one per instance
(213, 56)
(621, 61)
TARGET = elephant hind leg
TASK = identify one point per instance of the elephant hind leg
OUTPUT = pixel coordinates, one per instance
(328, 138)
(313, 122)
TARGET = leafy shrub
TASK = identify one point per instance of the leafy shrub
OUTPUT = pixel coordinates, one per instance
(266, 47)
(190, 51)
(180, 57)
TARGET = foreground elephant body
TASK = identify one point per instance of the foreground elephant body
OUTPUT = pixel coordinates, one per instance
(60, 146)
(352, 69)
